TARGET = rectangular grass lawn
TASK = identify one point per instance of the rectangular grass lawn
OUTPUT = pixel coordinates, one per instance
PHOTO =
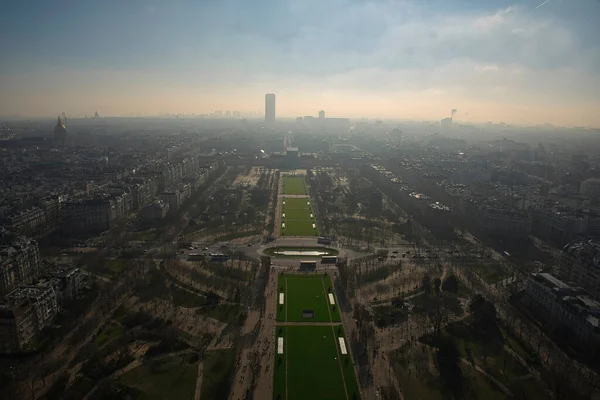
(166, 378)
(299, 228)
(307, 292)
(312, 366)
(294, 185)
(297, 219)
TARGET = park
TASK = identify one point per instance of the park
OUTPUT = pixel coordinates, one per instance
(311, 345)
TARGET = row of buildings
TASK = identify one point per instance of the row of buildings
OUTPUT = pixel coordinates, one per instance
(30, 296)
(502, 197)
(569, 299)
(103, 205)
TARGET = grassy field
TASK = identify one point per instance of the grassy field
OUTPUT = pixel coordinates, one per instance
(299, 228)
(166, 378)
(314, 365)
(297, 219)
(424, 385)
(109, 268)
(295, 203)
(491, 273)
(110, 332)
(218, 368)
(306, 292)
(294, 185)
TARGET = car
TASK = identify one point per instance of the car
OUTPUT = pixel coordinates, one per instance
(190, 248)
(393, 256)
(395, 251)
(205, 249)
(249, 245)
(380, 258)
(223, 246)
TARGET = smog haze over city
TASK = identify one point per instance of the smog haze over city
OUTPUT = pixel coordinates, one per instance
(300, 199)
(493, 60)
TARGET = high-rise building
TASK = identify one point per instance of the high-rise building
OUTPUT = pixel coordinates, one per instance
(322, 114)
(270, 107)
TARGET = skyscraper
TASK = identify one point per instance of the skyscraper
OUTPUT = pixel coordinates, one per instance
(322, 114)
(269, 107)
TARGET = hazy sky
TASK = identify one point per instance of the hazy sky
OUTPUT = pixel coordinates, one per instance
(493, 60)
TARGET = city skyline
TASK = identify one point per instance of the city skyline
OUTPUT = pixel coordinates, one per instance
(498, 60)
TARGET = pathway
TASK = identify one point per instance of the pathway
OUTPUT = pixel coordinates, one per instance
(199, 380)
(314, 323)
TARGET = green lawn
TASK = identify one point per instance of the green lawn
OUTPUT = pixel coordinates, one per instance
(295, 203)
(109, 268)
(314, 365)
(166, 378)
(491, 273)
(218, 370)
(110, 332)
(306, 292)
(296, 214)
(294, 185)
(488, 352)
(299, 228)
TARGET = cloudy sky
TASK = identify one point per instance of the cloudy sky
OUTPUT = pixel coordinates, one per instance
(493, 60)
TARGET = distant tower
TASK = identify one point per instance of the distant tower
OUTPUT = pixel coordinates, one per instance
(96, 115)
(60, 132)
(64, 116)
(270, 107)
(322, 114)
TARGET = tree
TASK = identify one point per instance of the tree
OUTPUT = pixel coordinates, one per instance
(484, 313)
(448, 358)
(450, 284)
(426, 284)
(476, 302)
(438, 310)
(437, 282)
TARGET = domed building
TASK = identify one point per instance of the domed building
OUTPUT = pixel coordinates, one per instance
(60, 132)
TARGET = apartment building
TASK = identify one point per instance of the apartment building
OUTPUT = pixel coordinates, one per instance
(580, 263)
(497, 220)
(19, 261)
(95, 214)
(565, 305)
(155, 211)
(29, 222)
(23, 314)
